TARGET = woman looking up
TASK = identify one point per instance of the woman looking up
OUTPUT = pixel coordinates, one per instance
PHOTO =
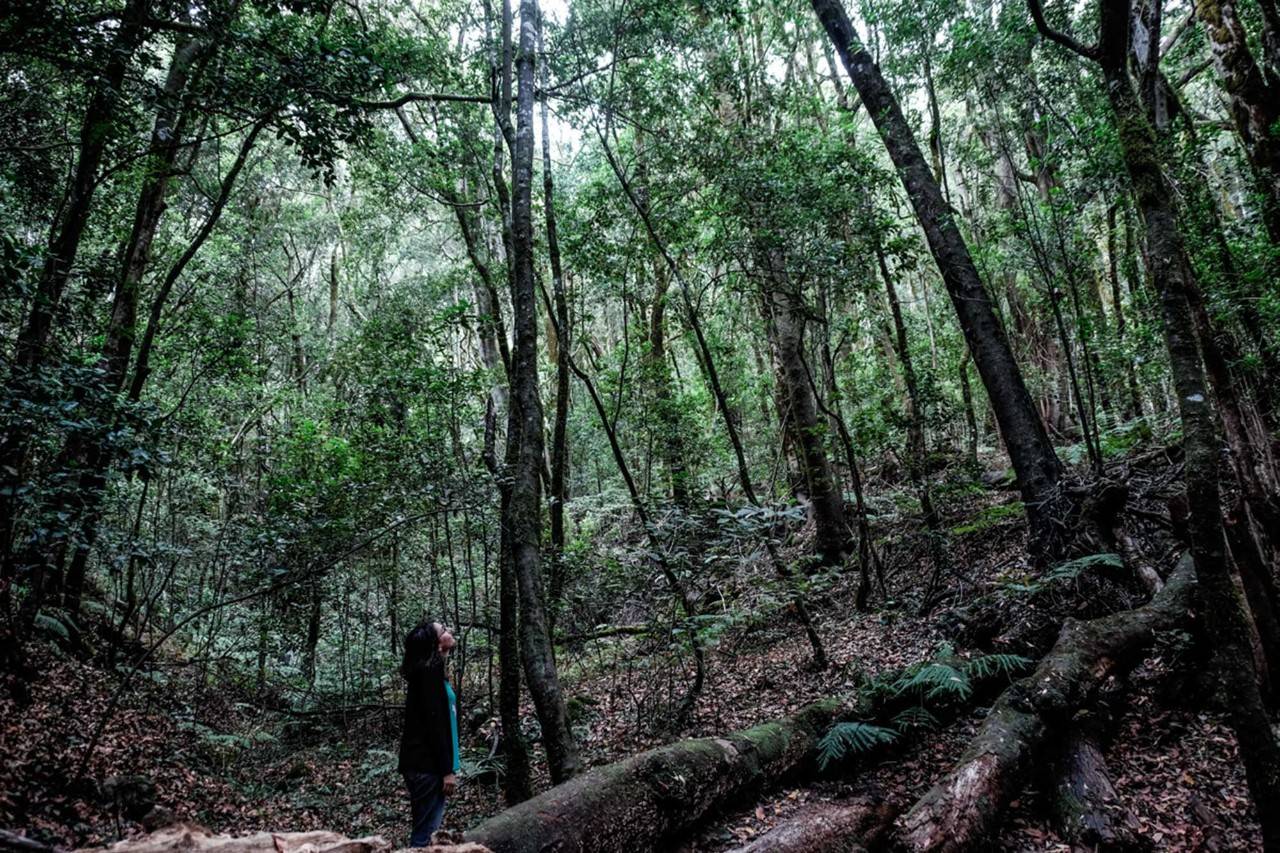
(429, 743)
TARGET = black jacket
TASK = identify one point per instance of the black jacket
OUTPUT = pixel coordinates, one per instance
(426, 745)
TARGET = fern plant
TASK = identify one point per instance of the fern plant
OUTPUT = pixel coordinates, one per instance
(1068, 571)
(915, 718)
(989, 666)
(851, 739)
(944, 679)
(935, 681)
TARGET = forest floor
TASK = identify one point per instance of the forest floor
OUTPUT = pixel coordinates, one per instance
(214, 756)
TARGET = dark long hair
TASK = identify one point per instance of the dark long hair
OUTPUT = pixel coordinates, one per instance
(421, 648)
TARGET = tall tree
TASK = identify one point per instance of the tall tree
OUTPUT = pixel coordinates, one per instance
(784, 314)
(1033, 457)
(1171, 273)
(522, 516)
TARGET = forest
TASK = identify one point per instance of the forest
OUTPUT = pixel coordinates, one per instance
(840, 425)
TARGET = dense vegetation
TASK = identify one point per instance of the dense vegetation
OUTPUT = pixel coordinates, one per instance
(616, 334)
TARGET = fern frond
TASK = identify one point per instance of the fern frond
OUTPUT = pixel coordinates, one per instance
(881, 687)
(847, 738)
(1072, 568)
(989, 666)
(935, 680)
(915, 718)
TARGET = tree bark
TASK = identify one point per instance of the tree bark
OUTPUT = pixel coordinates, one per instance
(1086, 806)
(671, 429)
(524, 508)
(970, 416)
(784, 311)
(1171, 272)
(95, 135)
(917, 450)
(36, 333)
(1133, 408)
(851, 827)
(656, 369)
(93, 458)
(564, 339)
(643, 802)
(1025, 437)
(87, 453)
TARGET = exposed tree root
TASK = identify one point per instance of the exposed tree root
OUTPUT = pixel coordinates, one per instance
(638, 803)
(960, 811)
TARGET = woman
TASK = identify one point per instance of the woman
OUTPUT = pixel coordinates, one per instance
(429, 744)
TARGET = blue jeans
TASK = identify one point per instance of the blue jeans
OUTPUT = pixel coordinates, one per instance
(426, 805)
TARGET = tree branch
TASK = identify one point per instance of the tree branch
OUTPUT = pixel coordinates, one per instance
(1037, 15)
(412, 97)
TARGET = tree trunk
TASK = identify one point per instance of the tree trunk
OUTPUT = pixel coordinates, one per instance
(643, 802)
(917, 450)
(727, 412)
(88, 453)
(670, 428)
(564, 338)
(688, 604)
(95, 136)
(868, 557)
(970, 416)
(313, 632)
(851, 827)
(1025, 437)
(784, 310)
(1225, 616)
(656, 369)
(516, 783)
(1085, 804)
(524, 507)
(1254, 101)
(1133, 408)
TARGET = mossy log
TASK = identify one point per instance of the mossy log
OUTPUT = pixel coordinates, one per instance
(857, 825)
(961, 811)
(643, 801)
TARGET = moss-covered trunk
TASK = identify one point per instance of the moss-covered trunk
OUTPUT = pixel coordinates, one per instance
(643, 801)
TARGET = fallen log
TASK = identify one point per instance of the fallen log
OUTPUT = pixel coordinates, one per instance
(602, 632)
(12, 842)
(1085, 806)
(192, 838)
(858, 825)
(961, 811)
(643, 801)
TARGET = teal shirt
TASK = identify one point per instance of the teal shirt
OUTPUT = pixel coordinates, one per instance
(453, 725)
